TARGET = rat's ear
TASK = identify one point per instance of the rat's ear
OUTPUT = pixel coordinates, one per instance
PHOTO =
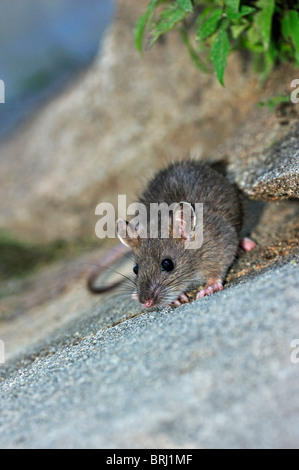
(127, 233)
(184, 221)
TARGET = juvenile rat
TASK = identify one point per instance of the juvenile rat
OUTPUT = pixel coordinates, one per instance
(165, 269)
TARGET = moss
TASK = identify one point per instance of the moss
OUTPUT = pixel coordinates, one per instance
(18, 258)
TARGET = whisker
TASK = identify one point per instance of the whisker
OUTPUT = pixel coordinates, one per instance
(107, 267)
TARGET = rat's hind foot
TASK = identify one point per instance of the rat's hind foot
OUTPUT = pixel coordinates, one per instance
(247, 244)
(210, 289)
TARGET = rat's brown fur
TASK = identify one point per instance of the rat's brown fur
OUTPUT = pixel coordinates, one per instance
(192, 182)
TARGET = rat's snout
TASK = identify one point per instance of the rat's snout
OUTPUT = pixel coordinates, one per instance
(149, 296)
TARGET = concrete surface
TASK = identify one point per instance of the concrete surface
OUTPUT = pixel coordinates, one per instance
(214, 373)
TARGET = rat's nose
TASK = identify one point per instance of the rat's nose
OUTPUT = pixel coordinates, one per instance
(148, 304)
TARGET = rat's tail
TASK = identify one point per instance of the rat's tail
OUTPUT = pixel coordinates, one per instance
(106, 261)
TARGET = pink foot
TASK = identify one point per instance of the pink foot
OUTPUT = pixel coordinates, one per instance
(210, 289)
(247, 244)
(181, 298)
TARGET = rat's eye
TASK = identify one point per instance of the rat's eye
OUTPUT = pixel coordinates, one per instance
(167, 265)
(135, 269)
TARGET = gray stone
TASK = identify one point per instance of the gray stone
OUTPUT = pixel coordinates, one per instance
(220, 372)
(274, 174)
(263, 153)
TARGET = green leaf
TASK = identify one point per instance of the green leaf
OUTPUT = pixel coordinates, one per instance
(209, 27)
(139, 30)
(232, 9)
(186, 5)
(264, 20)
(232, 5)
(274, 101)
(141, 24)
(290, 30)
(237, 29)
(246, 10)
(192, 52)
(219, 53)
(269, 60)
(169, 17)
(203, 15)
(253, 39)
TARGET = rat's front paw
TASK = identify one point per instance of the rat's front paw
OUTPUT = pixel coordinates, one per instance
(209, 289)
(181, 298)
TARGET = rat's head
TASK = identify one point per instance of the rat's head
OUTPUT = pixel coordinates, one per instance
(163, 266)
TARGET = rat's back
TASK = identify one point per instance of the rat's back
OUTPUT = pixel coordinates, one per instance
(195, 182)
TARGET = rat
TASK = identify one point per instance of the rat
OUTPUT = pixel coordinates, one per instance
(165, 268)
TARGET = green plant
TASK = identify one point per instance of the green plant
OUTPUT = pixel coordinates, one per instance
(269, 29)
(274, 101)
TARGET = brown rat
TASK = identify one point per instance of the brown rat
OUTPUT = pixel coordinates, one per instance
(165, 268)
